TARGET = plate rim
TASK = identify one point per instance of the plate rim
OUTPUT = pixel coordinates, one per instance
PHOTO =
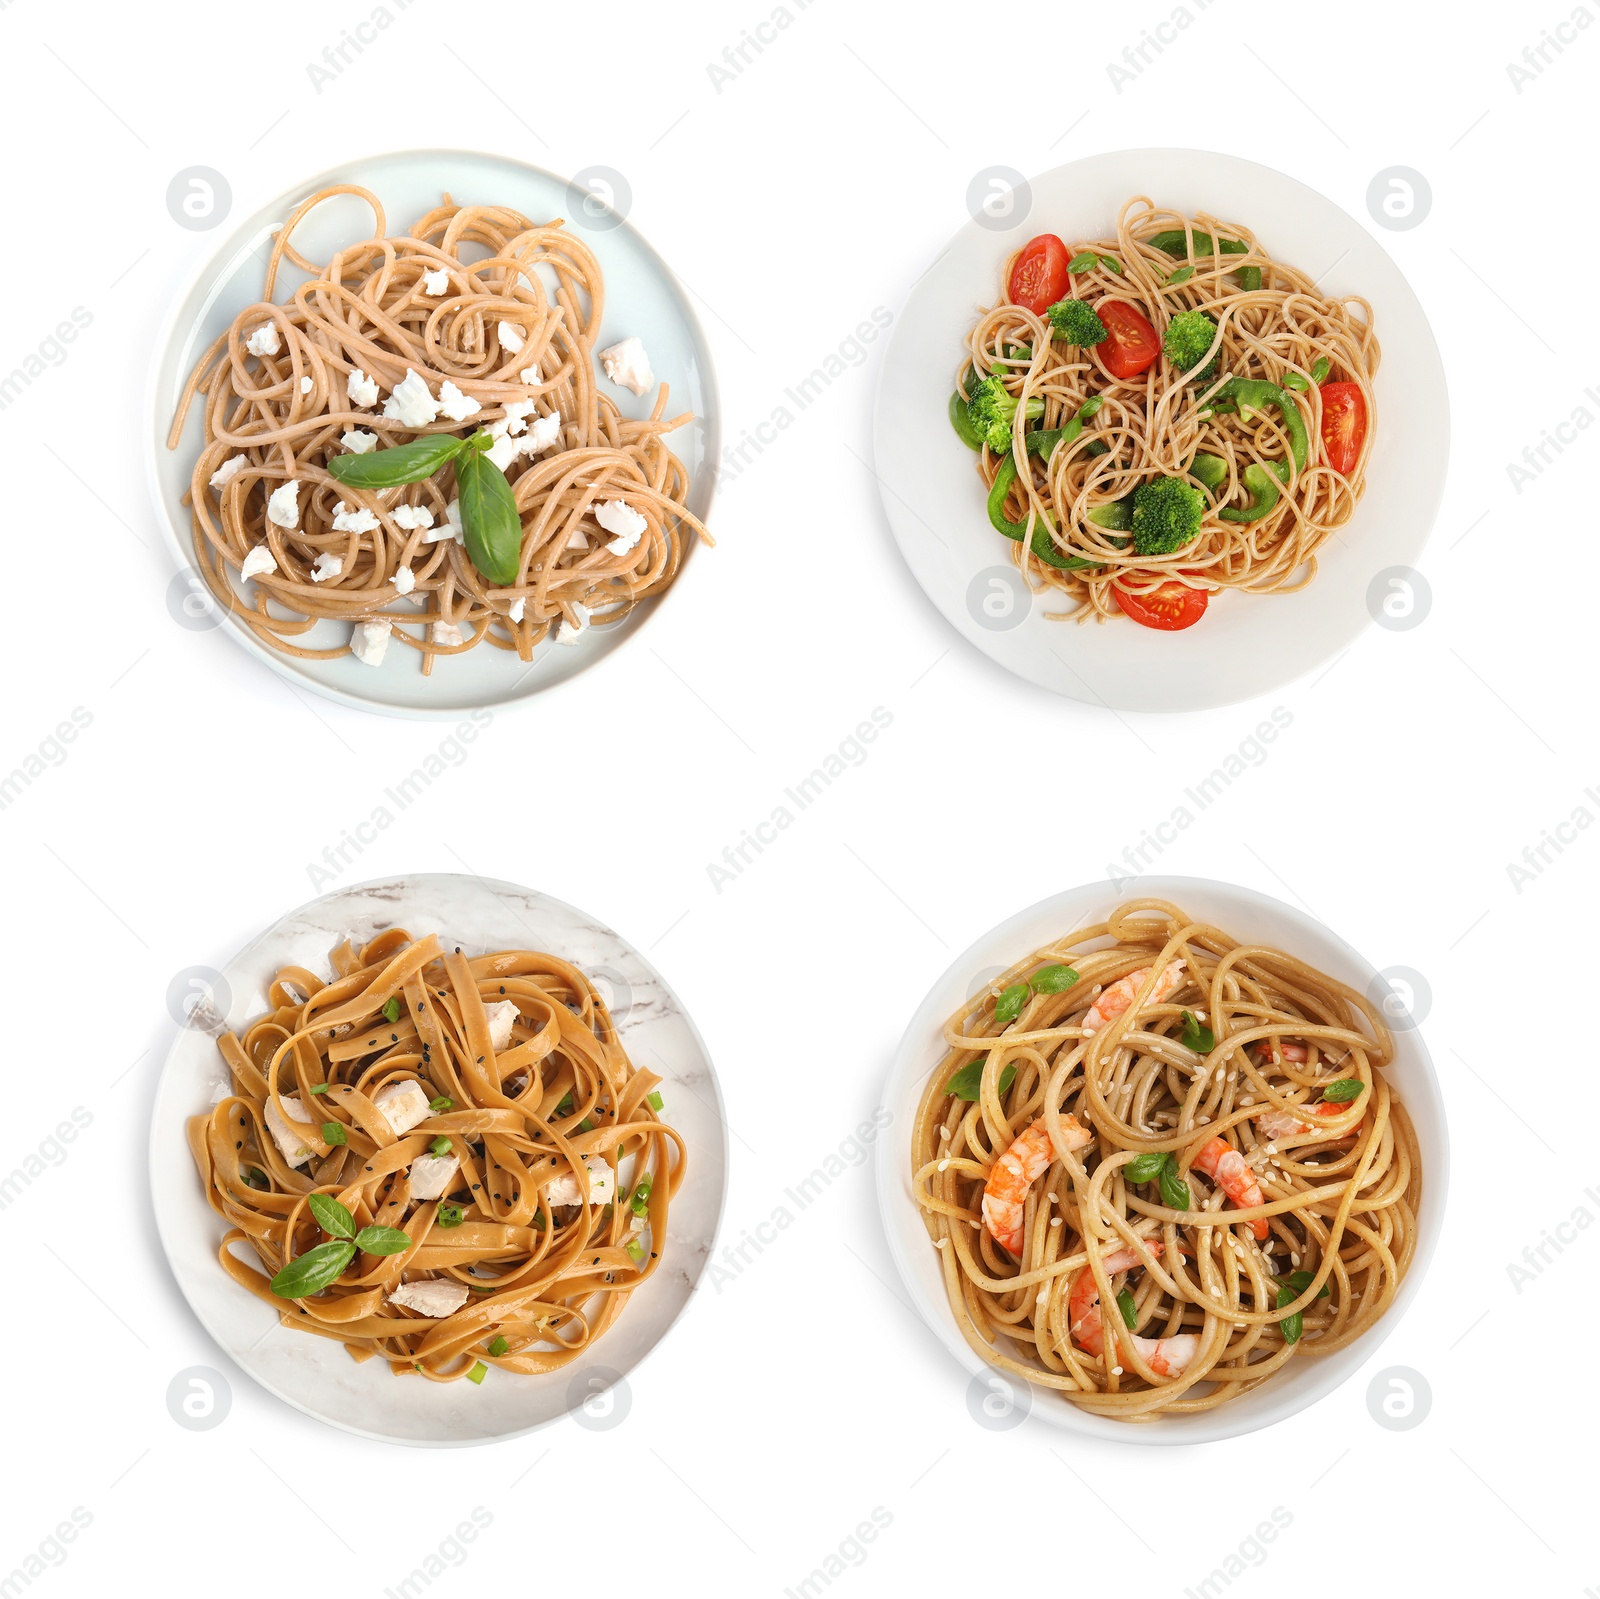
(168, 330)
(893, 1194)
(159, 1212)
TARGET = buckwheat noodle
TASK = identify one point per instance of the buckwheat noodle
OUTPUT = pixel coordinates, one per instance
(548, 1280)
(1151, 425)
(366, 311)
(1339, 1184)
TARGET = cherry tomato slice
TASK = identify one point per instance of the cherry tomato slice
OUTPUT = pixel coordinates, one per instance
(1344, 425)
(1169, 609)
(1130, 345)
(1039, 277)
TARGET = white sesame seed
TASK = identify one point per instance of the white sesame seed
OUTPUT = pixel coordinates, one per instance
(1116, 1371)
(944, 1165)
(1055, 1221)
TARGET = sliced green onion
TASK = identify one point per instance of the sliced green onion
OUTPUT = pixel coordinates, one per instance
(641, 1196)
(255, 1177)
(478, 1373)
(448, 1216)
(654, 1100)
(635, 1250)
(391, 1008)
(439, 1106)
(499, 1346)
(440, 1146)
(586, 1125)
(565, 1107)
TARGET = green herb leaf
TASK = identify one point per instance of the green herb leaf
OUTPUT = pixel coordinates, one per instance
(1052, 979)
(332, 1217)
(654, 1100)
(1293, 380)
(1130, 1311)
(1299, 1281)
(322, 1088)
(1290, 1325)
(964, 1085)
(440, 1146)
(499, 1346)
(382, 1240)
(1343, 1091)
(1146, 1168)
(640, 1202)
(1083, 261)
(448, 1216)
(311, 1272)
(405, 463)
(1196, 1037)
(490, 523)
(1111, 264)
(1320, 368)
(440, 1105)
(1174, 1190)
(1182, 275)
(391, 1008)
(334, 1133)
(1009, 1005)
(478, 1373)
(1249, 278)
(1090, 407)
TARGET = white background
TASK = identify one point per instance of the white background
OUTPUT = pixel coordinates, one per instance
(801, 1394)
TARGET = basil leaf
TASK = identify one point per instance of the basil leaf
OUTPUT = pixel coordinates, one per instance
(311, 1272)
(1083, 261)
(964, 1085)
(1111, 264)
(490, 523)
(448, 1216)
(1009, 1005)
(1343, 1091)
(405, 463)
(1145, 1168)
(1130, 1311)
(1290, 1325)
(382, 1240)
(1200, 1039)
(1052, 980)
(1299, 1281)
(1320, 368)
(1090, 407)
(334, 1133)
(1293, 380)
(391, 1008)
(332, 1217)
(1182, 275)
(1174, 1190)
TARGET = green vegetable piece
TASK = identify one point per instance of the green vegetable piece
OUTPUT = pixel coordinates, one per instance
(1256, 394)
(1111, 264)
(964, 1084)
(391, 1008)
(1320, 368)
(635, 1250)
(1116, 517)
(1083, 261)
(334, 1133)
(491, 525)
(1008, 1007)
(962, 423)
(1130, 1311)
(1248, 278)
(478, 1373)
(405, 463)
(439, 1106)
(255, 1177)
(1299, 1281)
(1076, 322)
(440, 1146)
(1174, 1190)
(564, 1108)
(499, 1346)
(1197, 1037)
(1167, 512)
(1291, 1326)
(640, 1202)
(992, 412)
(1145, 1168)
(1038, 443)
(331, 1216)
(1186, 340)
(448, 1215)
(1293, 380)
(382, 1240)
(1090, 407)
(1052, 979)
(322, 1088)
(1209, 470)
(313, 1271)
(654, 1100)
(1343, 1091)
(1264, 494)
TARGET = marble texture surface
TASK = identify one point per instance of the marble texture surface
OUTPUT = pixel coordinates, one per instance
(316, 1375)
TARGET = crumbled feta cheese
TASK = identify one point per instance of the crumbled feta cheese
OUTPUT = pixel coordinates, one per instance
(404, 580)
(518, 609)
(435, 1297)
(409, 516)
(432, 1175)
(512, 336)
(363, 391)
(305, 385)
(570, 632)
(504, 451)
(358, 441)
(517, 414)
(258, 562)
(229, 470)
(286, 1133)
(577, 539)
(544, 432)
(452, 514)
(405, 1104)
(563, 1190)
(446, 633)
(360, 520)
(325, 566)
(283, 507)
(369, 640)
(530, 374)
(628, 366)
(455, 404)
(264, 341)
(436, 282)
(411, 403)
(617, 516)
(502, 1016)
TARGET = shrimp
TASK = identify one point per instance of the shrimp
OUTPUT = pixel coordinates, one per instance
(1279, 1123)
(1016, 1171)
(1221, 1162)
(1166, 1357)
(1122, 993)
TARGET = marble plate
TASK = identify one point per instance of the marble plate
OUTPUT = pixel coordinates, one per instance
(317, 1376)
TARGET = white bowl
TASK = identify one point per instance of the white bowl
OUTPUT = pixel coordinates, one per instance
(315, 1375)
(642, 297)
(1245, 645)
(1244, 914)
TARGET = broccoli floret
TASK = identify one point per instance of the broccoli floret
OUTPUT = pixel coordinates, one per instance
(1188, 337)
(1076, 322)
(1166, 515)
(992, 413)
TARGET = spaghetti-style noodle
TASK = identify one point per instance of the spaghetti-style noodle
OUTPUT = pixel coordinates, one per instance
(480, 1107)
(495, 317)
(1158, 1165)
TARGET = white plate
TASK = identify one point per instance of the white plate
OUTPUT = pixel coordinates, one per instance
(1243, 914)
(1247, 644)
(642, 297)
(316, 1375)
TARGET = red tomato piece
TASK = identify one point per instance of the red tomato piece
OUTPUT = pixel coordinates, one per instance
(1131, 344)
(1039, 276)
(1344, 425)
(1168, 609)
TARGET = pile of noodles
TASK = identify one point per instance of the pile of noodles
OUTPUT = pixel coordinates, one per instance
(1341, 1201)
(366, 310)
(1152, 425)
(548, 1282)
